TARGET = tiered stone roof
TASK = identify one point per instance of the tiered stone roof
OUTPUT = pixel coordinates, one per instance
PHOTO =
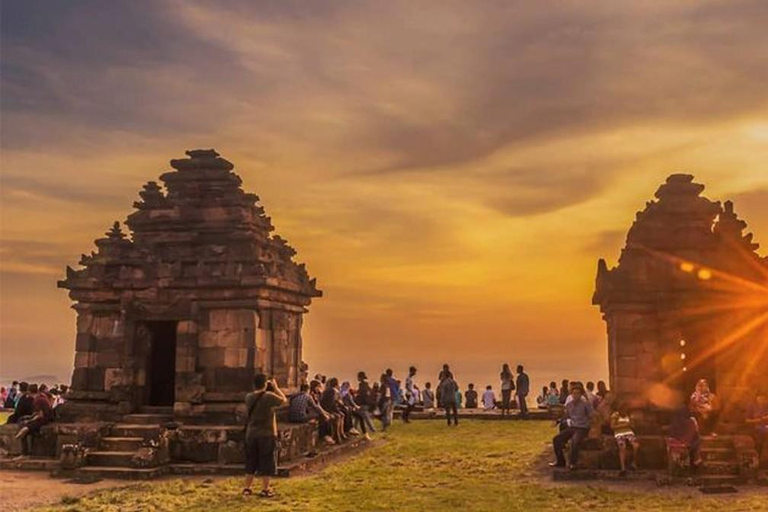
(199, 231)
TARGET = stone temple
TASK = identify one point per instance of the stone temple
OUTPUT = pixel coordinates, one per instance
(186, 308)
(687, 300)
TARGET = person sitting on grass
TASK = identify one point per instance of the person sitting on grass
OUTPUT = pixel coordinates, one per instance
(449, 391)
(428, 396)
(578, 414)
(261, 447)
(470, 396)
(489, 399)
(621, 425)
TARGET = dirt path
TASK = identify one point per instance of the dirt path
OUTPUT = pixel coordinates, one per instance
(24, 490)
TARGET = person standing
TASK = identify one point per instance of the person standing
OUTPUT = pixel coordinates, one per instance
(410, 395)
(507, 386)
(385, 402)
(448, 391)
(523, 388)
(578, 414)
(261, 433)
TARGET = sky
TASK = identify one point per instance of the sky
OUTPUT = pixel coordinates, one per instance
(449, 171)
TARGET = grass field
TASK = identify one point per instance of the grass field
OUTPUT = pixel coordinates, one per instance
(482, 465)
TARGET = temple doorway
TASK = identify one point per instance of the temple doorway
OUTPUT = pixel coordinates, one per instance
(161, 363)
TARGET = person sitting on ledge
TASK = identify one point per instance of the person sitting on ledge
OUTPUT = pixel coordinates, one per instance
(565, 391)
(578, 413)
(705, 407)
(602, 389)
(23, 404)
(331, 402)
(356, 412)
(328, 423)
(42, 415)
(304, 409)
(428, 396)
(621, 425)
(261, 445)
(758, 419)
(470, 397)
(685, 430)
(542, 399)
(489, 399)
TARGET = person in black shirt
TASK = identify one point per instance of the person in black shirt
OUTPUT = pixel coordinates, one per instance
(24, 407)
(471, 397)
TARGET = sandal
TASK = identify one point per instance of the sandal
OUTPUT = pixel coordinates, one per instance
(267, 493)
(247, 492)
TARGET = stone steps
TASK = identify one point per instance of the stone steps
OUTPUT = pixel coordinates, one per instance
(92, 472)
(111, 459)
(121, 444)
(147, 418)
(717, 454)
(136, 430)
(30, 464)
(728, 467)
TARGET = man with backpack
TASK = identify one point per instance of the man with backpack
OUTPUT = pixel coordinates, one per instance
(261, 433)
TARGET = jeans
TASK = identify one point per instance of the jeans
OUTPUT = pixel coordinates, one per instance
(576, 435)
(385, 408)
(452, 409)
(523, 405)
(407, 412)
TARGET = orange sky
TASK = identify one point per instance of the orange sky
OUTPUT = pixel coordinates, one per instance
(450, 172)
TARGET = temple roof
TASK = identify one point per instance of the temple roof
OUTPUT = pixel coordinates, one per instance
(199, 229)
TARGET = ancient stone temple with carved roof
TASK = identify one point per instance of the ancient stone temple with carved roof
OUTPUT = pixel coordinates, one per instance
(687, 300)
(184, 309)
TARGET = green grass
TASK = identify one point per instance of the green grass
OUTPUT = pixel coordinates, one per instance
(482, 465)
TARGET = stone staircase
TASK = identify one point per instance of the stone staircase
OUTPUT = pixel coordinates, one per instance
(721, 463)
(115, 456)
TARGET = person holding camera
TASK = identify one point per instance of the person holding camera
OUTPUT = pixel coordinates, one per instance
(261, 447)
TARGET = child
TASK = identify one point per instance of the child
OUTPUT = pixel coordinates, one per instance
(622, 431)
(489, 399)
(428, 396)
(471, 397)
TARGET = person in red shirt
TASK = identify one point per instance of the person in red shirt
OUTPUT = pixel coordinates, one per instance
(42, 415)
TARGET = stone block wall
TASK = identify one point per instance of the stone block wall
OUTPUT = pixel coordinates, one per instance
(226, 347)
(100, 353)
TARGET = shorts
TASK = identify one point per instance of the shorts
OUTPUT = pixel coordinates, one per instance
(261, 456)
(623, 439)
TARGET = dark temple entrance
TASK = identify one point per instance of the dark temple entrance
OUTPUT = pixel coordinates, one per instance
(161, 364)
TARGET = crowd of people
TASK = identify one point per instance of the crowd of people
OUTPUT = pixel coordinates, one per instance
(32, 406)
(342, 410)
(586, 412)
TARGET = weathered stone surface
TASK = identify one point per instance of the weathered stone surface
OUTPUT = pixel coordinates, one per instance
(201, 254)
(668, 304)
